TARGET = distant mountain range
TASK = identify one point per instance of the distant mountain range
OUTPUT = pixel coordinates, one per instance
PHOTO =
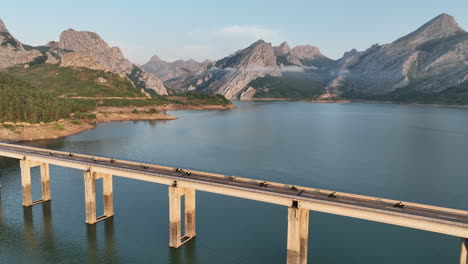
(429, 65)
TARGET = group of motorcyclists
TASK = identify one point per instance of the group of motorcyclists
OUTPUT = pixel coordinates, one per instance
(232, 178)
(399, 204)
(181, 171)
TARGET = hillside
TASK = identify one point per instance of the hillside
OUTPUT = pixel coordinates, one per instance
(71, 82)
(20, 101)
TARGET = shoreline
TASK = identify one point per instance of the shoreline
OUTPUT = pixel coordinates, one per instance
(414, 104)
(14, 132)
(356, 101)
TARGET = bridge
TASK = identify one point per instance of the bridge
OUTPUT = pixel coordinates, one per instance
(183, 184)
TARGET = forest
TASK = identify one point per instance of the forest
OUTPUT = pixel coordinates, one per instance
(20, 101)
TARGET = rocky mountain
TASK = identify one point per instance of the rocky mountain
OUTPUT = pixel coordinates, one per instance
(91, 45)
(430, 60)
(232, 75)
(76, 49)
(427, 65)
(81, 60)
(13, 52)
(168, 70)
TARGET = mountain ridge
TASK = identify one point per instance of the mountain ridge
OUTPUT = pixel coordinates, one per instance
(431, 59)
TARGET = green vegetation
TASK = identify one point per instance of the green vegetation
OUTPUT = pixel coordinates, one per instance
(59, 126)
(10, 127)
(457, 95)
(81, 115)
(201, 98)
(190, 98)
(76, 122)
(294, 85)
(71, 82)
(20, 101)
(41, 93)
(8, 40)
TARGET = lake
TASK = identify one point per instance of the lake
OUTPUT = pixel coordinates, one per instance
(402, 152)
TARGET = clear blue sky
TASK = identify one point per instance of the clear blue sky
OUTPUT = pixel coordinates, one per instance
(211, 29)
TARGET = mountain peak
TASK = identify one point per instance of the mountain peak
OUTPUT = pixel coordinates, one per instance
(259, 42)
(155, 58)
(282, 49)
(441, 26)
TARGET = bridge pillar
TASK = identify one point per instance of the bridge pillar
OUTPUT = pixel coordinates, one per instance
(26, 166)
(90, 178)
(108, 195)
(298, 232)
(464, 251)
(175, 230)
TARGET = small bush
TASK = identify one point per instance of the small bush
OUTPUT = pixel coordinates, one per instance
(9, 127)
(153, 111)
(80, 115)
(59, 126)
(76, 122)
(135, 111)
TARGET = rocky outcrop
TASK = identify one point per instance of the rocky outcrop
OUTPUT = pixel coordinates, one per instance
(168, 70)
(79, 59)
(93, 46)
(52, 58)
(13, 52)
(428, 60)
(282, 49)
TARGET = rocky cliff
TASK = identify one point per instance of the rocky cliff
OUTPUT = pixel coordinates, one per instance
(81, 60)
(13, 52)
(92, 45)
(429, 60)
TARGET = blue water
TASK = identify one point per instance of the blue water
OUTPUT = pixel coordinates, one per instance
(410, 153)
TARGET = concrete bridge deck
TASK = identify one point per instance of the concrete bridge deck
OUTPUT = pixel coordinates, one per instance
(299, 199)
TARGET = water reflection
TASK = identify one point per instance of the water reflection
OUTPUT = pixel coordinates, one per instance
(110, 253)
(47, 242)
(184, 254)
(7, 162)
(30, 234)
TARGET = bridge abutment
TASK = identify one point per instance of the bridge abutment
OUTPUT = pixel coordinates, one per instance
(26, 166)
(175, 230)
(464, 251)
(298, 235)
(90, 178)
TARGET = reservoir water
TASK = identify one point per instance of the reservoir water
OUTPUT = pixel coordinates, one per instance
(410, 153)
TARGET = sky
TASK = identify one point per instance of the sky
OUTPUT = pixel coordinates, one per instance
(213, 29)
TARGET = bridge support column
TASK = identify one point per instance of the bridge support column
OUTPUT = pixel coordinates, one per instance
(175, 230)
(464, 251)
(108, 193)
(298, 232)
(90, 196)
(26, 166)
